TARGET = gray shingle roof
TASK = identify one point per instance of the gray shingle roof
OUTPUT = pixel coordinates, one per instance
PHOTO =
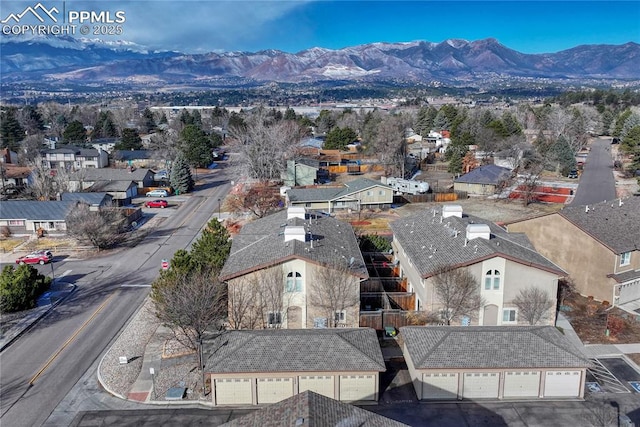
(430, 242)
(111, 186)
(294, 350)
(96, 199)
(309, 409)
(627, 276)
(111, 174)
(125, 155)
(321, 194)
(55, 210)
(615, 226)
(462, 347)
(260, 243)
(486, 174)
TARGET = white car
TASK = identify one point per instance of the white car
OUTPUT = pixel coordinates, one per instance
(157, 193)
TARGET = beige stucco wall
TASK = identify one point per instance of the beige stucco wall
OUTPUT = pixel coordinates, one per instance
(414, 281)
(477, 189)
(587, 261)
(303, 300)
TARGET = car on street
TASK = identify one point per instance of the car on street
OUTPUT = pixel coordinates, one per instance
(573, 174)
(158, 193)
(156, 204)
(36, 257)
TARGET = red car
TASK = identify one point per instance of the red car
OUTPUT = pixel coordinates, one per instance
(38, 257)
(156, 204)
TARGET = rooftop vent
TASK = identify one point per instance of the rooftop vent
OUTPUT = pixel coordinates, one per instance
(451, 210)
(478, 230)
(296, 212)
(294, 233)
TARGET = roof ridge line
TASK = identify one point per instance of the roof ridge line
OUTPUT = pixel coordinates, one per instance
(436, 345)
(340, 333)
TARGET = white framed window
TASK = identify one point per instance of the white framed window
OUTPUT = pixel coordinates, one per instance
(625, 258)
(509, 315)
(492, 280)
(380, 192)
(340, 316)
(320, 322)
(16, 222)
(369, 193)
(274, 319)
(294, 282)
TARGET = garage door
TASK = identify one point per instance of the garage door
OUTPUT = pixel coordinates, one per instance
(440, 386)
(562, 384)
(321, 384)
(233, 391)
(272, 390)
(357, 387)
(521, 384)
(481, 385)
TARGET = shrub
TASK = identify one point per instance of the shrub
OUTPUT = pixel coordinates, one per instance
(374, 243)
(615, 325)
(5, 231)
(20, 287)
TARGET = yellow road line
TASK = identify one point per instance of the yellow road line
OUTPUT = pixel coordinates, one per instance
(75, 334)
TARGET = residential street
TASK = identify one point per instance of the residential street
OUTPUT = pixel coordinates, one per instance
(43, 365)
(597, 182)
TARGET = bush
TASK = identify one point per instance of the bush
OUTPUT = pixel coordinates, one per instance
(615, 325)
(20, 288)
(374, 243)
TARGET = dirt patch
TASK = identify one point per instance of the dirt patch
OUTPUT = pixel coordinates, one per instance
(592, 319)
(635, 357)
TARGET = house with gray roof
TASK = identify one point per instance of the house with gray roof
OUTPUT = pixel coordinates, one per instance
(309, 409)
(256, 367)
(25, 217)
(482, 362)
(70, 157)
(87, 178)
(485, 180)
(361, 193)
(502, 263)
(294, 269)
(598, 245)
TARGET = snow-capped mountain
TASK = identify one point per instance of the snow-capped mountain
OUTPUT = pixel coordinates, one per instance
(95, 61)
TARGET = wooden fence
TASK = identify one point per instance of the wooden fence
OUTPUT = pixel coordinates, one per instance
(381, 318)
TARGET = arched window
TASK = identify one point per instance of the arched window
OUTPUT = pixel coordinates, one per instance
(492, 280)
(294, 282)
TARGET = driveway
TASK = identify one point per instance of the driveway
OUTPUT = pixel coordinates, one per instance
(597, 182)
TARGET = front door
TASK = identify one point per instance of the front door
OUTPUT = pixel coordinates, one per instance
(490, 316)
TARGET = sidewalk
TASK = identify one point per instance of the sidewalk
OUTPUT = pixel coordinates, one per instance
(54, 296)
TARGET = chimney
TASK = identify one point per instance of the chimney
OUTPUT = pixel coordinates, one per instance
(478, 231)
(294, 233)
(296, 212)
(452, 210)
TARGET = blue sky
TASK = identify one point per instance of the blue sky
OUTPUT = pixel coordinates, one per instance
(202, 26)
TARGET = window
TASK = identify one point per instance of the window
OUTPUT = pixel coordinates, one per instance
(369, 193)
(509, 315)
(625, 258)
(16, 222)
(340, 316)
(294, 282)
(380, 192)
(274, 319)
(492, 280)
(320, 322)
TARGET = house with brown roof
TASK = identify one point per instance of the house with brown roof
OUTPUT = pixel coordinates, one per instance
(481, 362)
(598, 245)
(257, 367)
(502, 263)
(294, 269)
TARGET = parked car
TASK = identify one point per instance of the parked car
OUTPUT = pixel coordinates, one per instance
(156, 204)
(573, 174)
(158, 193)
(36, 257)
(161, 176)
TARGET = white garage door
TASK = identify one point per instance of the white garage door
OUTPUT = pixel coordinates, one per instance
(233, 391)
(321, 384)
(272, 390)
(481, 385)
(440, 386)
(357, 387)
(521, 384)
(562, 384)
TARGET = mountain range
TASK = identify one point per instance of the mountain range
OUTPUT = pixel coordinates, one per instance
(452, 61)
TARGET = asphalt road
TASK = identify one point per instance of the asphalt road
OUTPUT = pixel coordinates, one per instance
(43, 365)
(597, 182)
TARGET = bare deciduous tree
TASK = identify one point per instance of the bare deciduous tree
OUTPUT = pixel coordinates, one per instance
(334, 290)
(533, 304)
(46, 183)
(458, 293)
(101, 228)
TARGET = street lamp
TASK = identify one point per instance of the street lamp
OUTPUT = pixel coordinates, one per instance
(219, 207)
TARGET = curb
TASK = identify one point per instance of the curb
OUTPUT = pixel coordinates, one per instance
(36, 318)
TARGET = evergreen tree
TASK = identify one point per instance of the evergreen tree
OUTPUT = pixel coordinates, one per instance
(74, 133)
(148, 121)
(181, 180)
(338, 138)
(196, 146)
(562, 156)
(130, 140)
(105, 127)
(11, 131)
(212, 249)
